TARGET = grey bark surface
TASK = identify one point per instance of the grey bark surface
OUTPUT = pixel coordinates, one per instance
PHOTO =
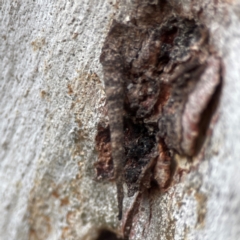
(52, 98)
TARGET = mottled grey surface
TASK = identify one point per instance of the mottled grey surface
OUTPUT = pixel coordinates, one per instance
(51, 100)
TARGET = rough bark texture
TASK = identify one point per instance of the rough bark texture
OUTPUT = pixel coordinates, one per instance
(52, 99)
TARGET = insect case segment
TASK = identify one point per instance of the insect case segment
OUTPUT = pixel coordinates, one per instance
(113, 68)
(154, 78)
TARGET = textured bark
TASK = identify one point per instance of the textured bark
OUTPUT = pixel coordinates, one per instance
(52, 99)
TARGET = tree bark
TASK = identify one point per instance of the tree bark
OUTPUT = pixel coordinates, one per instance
(52, 99)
